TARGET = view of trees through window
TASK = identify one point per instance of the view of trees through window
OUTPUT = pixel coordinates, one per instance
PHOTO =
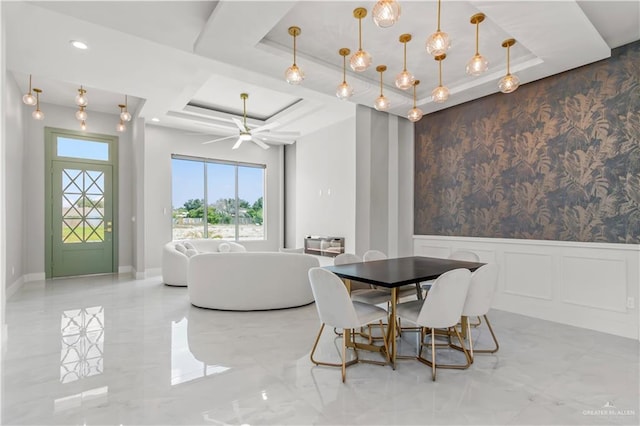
(229, 195)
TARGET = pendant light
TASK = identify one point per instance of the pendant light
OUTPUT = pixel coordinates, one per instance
(509, 82)
(381, 103)
(438, 43)
(386, 13)
(29, 99)
(37, 114)
(294, 74)
(81, 114)
(344, 91)
(405, 79)
(360, 60)
(478, 63)
(121, 126)
(83, 125)
(440, 93)
(81, 97)
(415, 113)
(125, 115)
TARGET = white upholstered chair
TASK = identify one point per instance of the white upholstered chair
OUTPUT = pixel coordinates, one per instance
(464, 255)
(362, 292)
(478, 302)
(441, 309)
(336, 309)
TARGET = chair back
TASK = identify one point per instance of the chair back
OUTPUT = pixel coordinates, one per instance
(464, 255)
(333, 303)
(344, 258)
(481, 290)
(443, 306)
(373, 255)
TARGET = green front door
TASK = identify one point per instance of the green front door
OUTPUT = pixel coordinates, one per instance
(81, 202)
(82, 218)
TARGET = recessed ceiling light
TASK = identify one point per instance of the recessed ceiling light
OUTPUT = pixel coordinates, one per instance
(156, 119)
(79, 44)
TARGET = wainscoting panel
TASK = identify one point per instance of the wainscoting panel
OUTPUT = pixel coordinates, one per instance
(589, 285)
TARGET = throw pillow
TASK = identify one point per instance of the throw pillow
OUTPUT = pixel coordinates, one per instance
(224, 248)
(236, 248)
(191, 252)
(188, 245)
(180, 247)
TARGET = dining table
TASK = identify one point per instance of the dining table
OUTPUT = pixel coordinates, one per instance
(394, 273)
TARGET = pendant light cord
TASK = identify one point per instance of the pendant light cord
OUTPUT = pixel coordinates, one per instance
(438, 16)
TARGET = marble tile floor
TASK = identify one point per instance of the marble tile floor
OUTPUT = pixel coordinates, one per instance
(110, 350)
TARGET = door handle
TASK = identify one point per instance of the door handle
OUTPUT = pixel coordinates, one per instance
(108, 227)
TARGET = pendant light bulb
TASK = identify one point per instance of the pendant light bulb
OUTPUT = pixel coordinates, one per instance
(361, 60)
(344, 91)
(381, 103)
(294, 74)
(415, 113)
(37, 114)
(509, 82)
(386, 13)
(124, 110)
(29, 99)
(81, 114)
(478, 64)
(438, 43)
(83, 125)
(440, 93)
(81, 97)
(404, 80)
(121, 127)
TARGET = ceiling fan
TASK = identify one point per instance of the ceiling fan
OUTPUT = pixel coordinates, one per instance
(255, 135)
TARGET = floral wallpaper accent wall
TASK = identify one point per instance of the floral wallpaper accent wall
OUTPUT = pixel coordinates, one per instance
(558, 159)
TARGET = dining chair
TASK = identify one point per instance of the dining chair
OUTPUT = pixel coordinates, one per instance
(441, 309)
(336, 309)
(483, 285)
(464, 255)
(362, 292)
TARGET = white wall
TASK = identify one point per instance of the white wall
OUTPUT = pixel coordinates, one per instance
(160, 143)
(13, 156)
(589, 285)
(64, 118)
(326, 184)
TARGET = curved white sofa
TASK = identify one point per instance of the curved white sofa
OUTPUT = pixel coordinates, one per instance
(175, 262)
(250, 281)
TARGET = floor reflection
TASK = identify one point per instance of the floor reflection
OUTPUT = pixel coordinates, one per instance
(82, 351)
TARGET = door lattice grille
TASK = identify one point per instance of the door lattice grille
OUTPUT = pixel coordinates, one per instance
(82, 206)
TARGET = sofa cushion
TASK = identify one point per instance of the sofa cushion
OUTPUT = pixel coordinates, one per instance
(189, 246)
(181, 248)
(191, 252)
(224, 248)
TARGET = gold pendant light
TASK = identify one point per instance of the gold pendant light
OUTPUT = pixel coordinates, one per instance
(294, 74)
(360, 60)
(344, 91)
(386, 13)
(478, 63)
(440, 93)
(381, 103)
(509, 82)
(438, 43)
(405, 79)
(81, 97)
(29, 99)
(37, 114)
(81, 114)
(121, 126)
(125, 115)
(415, 113)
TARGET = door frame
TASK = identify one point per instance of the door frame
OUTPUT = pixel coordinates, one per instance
(50, 137)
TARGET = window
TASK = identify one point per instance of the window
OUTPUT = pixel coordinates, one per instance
(229, 195)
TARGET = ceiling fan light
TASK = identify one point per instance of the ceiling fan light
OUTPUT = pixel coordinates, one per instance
(415, 114)
(344, 91)
(509, 83)
(386, 13)
(245, 137)
(405, 80)
(438, 43)
(440, 94)
(477, 65)
(294, 75)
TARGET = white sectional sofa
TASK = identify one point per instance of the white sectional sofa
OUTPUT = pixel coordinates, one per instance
(250, 281)
(176, 255)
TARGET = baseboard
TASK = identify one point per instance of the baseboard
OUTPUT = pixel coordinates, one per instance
(127, 269)
(37, 276)
(153, 272)
(14, 287)
(588, 285)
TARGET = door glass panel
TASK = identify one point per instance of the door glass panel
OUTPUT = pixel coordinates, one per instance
(80, 148)
(82, 206)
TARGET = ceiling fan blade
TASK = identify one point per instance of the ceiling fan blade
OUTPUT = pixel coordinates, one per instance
(265, 127)
(259, 143)
(237, 144)
(218, 140)
(239, 124)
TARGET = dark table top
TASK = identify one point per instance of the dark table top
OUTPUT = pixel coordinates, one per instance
(400, 271)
